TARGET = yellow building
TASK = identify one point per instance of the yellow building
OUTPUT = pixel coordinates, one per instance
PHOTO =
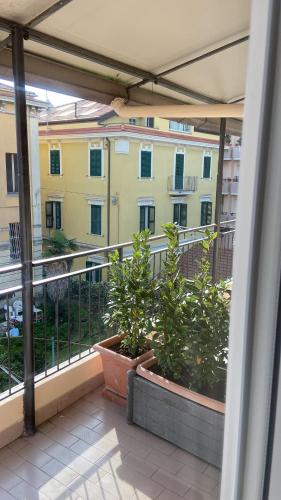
(9, 200)
(103, 179)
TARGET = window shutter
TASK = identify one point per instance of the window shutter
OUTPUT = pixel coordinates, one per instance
(183, 215)
(58, 214)
(176, 213)
(151, 219)
(95, 219)
(209, 212)
(145, 164)
(89, 276)
(95, 162)
(16, 172)
(207, 167)
(142, 218)
(49, 214)
(9, 173)
(55, 161)
(179, 171)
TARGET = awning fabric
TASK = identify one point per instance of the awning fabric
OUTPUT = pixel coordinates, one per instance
(148, 52)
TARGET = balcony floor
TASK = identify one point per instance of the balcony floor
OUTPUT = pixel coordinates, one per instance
(89, 452)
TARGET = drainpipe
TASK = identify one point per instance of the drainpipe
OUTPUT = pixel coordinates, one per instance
(218, 198)
(108, 188)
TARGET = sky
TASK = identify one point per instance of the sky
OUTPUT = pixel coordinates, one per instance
(55, 98)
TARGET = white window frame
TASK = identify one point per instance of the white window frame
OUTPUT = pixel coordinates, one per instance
(208, 154)
(99, 202)
(55, 147)
(146, 147)
(96, 146)
(54, 201)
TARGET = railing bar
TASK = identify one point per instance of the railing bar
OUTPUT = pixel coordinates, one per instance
(79, 314)
(68, 319)
(57, 334)
(11, 268)
(9, 346)
(89, 313)
(45, 323)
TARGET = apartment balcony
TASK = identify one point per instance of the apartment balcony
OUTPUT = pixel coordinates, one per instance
(182, 185)
(230, 186)
(232, 153)
(84, 447)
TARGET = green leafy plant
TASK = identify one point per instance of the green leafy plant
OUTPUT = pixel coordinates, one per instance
(131, 294)
(170, 338)
(206, 314)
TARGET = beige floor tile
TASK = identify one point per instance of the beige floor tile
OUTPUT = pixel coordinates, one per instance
(197, 479)
(32, 475)
(63, 437)
(63, 422)
(60, 472)
(54, 490)
(24, 491)
(168, 495)
(8, 479)
(34, 455)
(89, 491)
(90, 452)
(164, 461)
(194, 494)
(18, 444)
(125, 482)
(4, 495)
(170, 482)
(10, 459)
(189, 459)
(213, 472)
(46, 427)
(39, 440)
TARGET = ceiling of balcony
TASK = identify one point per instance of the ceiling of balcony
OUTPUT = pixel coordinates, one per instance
(151, 37)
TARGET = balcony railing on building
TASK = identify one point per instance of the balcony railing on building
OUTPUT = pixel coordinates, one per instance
(232, 153)
(178, 184)
(68, 308)
(230, 186)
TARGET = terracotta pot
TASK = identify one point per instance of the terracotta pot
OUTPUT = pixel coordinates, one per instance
(143, 371)
(115, 368)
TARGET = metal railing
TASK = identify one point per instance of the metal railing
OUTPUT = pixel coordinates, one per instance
(182, 184)
(230, 186)
(69, 305)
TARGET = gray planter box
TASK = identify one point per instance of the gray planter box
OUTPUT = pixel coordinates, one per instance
(191, 426)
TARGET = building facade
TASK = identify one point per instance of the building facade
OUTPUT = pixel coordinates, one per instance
(104, 179)
(230, 185)
(9, 199)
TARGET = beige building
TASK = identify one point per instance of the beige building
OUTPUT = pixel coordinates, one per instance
(103, 179)
(9, 199)
(231, 172)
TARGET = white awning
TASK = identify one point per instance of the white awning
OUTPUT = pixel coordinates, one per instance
(148, 52)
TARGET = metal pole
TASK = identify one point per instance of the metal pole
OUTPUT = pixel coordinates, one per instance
(218, 197)
(26, 227)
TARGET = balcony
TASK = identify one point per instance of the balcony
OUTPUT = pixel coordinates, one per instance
(84, 447)
(232, 153)
(182, 185)
(230, 186)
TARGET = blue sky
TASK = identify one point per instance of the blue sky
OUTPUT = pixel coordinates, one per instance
(54, 97)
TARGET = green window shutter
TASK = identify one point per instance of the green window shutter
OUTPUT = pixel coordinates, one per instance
(179, 171)
(176, 213)
(151, 219)
(207, 167)
(146, 164)
(55, 161)
(89, 276)
(58, 214)
(95, 219)
(9, 173)
(16, 172)
(183, 214)
(95, 162)
(94, 276)
(49, 214)
(206, 213)
(142, 218)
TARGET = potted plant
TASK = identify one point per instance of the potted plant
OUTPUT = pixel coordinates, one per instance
(130, 294)
(179, 393)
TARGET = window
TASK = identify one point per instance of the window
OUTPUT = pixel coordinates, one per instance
(93, 276)
(179, 167)
(207, 166)
(147, 218)
(206, 213)
(95, 162)
(132, 121)
(96, 219)
(180, 214)
(53, 214)
(179, 127)
(12, 173)
(146, 159)
(55, 163)
(149, 122)
(14, 236)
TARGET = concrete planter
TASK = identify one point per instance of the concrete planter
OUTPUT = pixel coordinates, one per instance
(187, 419)
(115, 368)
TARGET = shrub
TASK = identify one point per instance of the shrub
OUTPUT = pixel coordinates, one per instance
(131, 294)
(170, 339)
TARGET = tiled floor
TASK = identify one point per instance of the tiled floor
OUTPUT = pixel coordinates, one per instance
(89, 452)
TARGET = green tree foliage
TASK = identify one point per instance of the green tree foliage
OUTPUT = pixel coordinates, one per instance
(131, 294)
(170, 338)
